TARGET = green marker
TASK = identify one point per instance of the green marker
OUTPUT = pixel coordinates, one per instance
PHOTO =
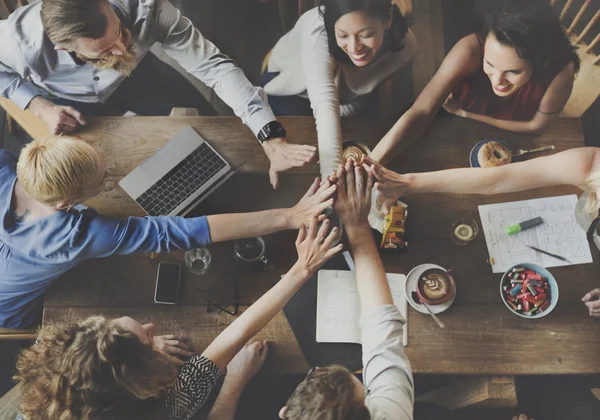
(511, 230)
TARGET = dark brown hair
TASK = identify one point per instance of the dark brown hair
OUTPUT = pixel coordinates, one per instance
(328, 393)
(67, 20)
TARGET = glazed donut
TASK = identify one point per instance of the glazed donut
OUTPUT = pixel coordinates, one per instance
(353, 152)
(493, 154)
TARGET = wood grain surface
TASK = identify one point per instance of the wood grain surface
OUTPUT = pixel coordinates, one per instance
(481, 336)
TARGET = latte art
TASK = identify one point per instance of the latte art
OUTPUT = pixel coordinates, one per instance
(435, 286)
(353, 152)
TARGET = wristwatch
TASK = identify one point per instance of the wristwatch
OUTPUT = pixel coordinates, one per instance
(272, 130)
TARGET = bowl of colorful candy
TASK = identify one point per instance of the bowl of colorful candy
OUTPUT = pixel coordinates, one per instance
(529, 290)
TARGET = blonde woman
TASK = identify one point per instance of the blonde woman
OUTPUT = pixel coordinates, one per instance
(579, 167)
(112, 369)
(43, 236)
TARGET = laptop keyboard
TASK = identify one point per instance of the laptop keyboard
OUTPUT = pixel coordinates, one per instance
(181, 182)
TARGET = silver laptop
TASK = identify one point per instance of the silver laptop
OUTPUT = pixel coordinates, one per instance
(178, 176)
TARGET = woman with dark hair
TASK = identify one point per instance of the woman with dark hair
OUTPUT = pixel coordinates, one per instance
(333, 58)
(516, 74)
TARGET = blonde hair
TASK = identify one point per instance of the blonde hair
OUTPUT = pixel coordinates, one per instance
(328, 393)
(92, 369)
(593, 186)
(58, 169)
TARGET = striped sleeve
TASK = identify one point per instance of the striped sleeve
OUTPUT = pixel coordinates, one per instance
(196, 384)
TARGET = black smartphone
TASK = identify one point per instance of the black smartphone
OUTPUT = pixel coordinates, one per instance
(167, 283)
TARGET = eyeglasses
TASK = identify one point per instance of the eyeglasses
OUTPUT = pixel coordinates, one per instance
(228, 309)
(315, 368)
(592, 229)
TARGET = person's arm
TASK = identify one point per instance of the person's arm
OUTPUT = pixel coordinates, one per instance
(201, 58)
(461, 61)
(319, 69)
(541, 172)
(386, 373)
(314, 248)
(107, 236)
(554, 100)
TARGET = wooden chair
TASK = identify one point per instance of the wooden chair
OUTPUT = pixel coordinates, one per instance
(582, 26)
(35, 127)
(18, 334)
(10, 403)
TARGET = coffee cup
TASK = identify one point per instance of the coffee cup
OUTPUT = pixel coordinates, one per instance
(436, 286)
(252, 250)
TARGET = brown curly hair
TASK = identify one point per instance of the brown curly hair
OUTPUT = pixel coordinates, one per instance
(327, 393)
(92, 369)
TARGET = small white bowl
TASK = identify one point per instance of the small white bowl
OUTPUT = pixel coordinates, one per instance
(551, 281)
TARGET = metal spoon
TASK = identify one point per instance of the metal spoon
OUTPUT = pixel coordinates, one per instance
(416, 298)
(521, 152)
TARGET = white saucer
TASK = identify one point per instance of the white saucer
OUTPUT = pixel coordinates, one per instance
(411, 286)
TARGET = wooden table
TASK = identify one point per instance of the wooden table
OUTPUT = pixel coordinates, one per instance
(481, 336)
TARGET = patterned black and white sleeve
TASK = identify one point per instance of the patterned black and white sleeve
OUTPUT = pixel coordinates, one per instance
(197, 383)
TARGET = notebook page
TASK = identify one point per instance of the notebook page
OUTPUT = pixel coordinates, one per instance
(338, 305)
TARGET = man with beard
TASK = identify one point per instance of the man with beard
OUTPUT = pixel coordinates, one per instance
(64, 59)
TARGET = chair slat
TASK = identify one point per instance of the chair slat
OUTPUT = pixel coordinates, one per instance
(578, 16)
(593, 44)
(588, 27)
(566, 8)
(8, 6)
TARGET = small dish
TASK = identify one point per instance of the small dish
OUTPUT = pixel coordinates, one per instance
(542, 271)
(473, 160)
(412, 279)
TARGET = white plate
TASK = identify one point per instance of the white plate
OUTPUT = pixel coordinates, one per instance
(411, 286)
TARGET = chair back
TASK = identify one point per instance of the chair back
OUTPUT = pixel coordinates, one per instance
(18, 334)
(9, 6)
(581, 19)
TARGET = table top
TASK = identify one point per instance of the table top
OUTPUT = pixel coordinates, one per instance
(481, 335)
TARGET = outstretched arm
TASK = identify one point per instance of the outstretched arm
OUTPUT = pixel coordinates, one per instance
(461, 61)
(571, 167)
(314, 248)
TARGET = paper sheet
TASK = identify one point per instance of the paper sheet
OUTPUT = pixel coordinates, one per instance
(559, 234)
(338, 305)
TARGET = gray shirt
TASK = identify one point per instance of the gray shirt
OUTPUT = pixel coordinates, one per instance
(28, 60)
(386, 369)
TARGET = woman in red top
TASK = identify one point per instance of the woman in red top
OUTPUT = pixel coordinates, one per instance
(517, 74)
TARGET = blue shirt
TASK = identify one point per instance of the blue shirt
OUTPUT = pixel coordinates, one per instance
(34, 253)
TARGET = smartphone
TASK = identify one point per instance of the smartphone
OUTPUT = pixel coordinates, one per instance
(167, 283)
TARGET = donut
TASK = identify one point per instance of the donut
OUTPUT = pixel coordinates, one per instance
(492, 154)
(355, 153)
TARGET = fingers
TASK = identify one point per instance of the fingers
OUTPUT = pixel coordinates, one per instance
(65, 119)
(331, 238)
(301, 234)
(594, 304)
(590, 295)
(175, 360)
(321, 208)
(274, 177)
(314, 187)
(264, 350)
(360, 180)
(326, 192)
(350, 187)
(333, 251)
(78, 116)
(387, 205)
(312, 229)
(370, 181)
(322, 234)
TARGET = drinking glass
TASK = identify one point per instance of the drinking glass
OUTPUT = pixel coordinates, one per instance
(197, 260)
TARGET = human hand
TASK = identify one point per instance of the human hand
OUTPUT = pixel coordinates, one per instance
(172, 348)
(522, 417)
(354, 194)
(315, 247)
(451, 105)
(59, 119)
(390, 185)
(284, 156)
(592, 301)
(315, 201)
(247, 362)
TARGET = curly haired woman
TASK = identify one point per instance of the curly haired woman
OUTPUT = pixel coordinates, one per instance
(117, 369)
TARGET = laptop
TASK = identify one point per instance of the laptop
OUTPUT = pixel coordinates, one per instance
(178, 176)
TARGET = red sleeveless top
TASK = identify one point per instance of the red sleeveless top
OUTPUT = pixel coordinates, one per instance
(475, 94)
